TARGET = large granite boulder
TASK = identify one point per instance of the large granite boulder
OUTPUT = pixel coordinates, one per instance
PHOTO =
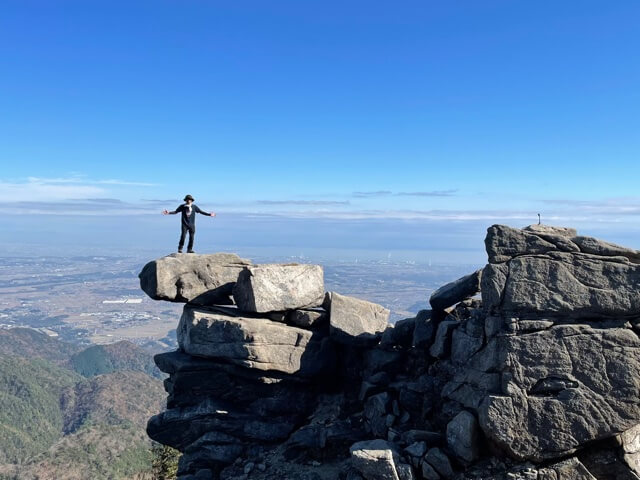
(559, 283)
(199, 279)
(504, 243)
(456, 291)
(356, 322)
(601, 248)
(560, 388)
(194, 379)
(278, 287)
(182, 426)
(253, 342)
(217, 410)
(530, 275)
(557, 366)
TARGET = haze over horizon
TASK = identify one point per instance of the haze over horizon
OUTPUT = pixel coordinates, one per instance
(318, 127)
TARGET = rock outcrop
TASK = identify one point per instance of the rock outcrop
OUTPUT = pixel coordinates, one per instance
(538, 378)
(198, 279)
(456, 291)
(580, 277)
(356, 322)
(273, 288)
(253, 341)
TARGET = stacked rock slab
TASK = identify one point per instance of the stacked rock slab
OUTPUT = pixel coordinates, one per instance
(197, 279)
(247, 376)
(536, 379)
(272, 288)
(253, 341)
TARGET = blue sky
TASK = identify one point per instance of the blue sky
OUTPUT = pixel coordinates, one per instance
(413, 111)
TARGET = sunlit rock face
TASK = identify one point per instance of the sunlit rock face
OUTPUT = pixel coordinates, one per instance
(526, 369)
(194, 278)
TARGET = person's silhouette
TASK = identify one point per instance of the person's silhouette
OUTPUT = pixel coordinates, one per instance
(188, 210)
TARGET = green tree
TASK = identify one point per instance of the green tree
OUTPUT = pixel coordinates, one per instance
(165, 462)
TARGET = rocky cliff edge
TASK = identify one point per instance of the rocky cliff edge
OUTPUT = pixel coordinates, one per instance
(526, 369)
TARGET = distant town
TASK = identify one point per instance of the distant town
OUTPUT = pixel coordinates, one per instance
(97, 300)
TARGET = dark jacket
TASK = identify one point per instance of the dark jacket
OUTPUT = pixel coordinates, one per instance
(189, 219)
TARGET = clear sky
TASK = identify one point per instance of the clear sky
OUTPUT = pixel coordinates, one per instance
(411, 111)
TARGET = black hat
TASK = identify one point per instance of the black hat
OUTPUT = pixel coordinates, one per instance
(189, 197)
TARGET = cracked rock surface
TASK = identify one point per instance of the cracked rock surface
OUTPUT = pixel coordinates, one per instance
(539, 379)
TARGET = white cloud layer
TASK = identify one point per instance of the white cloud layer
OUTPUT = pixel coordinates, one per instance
(42, 190)
(79, 195)
(76, 187)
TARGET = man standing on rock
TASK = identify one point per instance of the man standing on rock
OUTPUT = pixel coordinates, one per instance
(188, 210)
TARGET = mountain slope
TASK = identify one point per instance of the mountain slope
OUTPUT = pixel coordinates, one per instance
(58, 424)
(101, 452)
(119, 398)
(30, 415)
(123, 355)
(104, 420)
(29, 343)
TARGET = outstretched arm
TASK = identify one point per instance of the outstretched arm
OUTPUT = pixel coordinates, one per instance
(167, 212)
(199, 210)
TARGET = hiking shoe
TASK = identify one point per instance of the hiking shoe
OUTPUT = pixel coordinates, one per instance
(179, 251)
(190, 251)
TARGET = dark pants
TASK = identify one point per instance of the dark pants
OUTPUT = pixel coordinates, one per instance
(192, 233)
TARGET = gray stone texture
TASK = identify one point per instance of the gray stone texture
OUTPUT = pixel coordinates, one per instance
(182, 426)
(462, 437)
(630, 441)
(200, 279)
(376, 459)
(561, 388)
(428, 472)
(442, 344)
(424, 328)
(540, 380)
(440, 462)
(456, 291)
(529, 274)
(467, 339)
(560, 283)
(279, 287)
(376, 408)
(253, 342)
(356, 322)
(307, 318)
(557, 365)
(569, 469)
(399, 334)
(504, 243)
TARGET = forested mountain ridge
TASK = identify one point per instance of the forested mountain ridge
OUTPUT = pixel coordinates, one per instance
(73, 413)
